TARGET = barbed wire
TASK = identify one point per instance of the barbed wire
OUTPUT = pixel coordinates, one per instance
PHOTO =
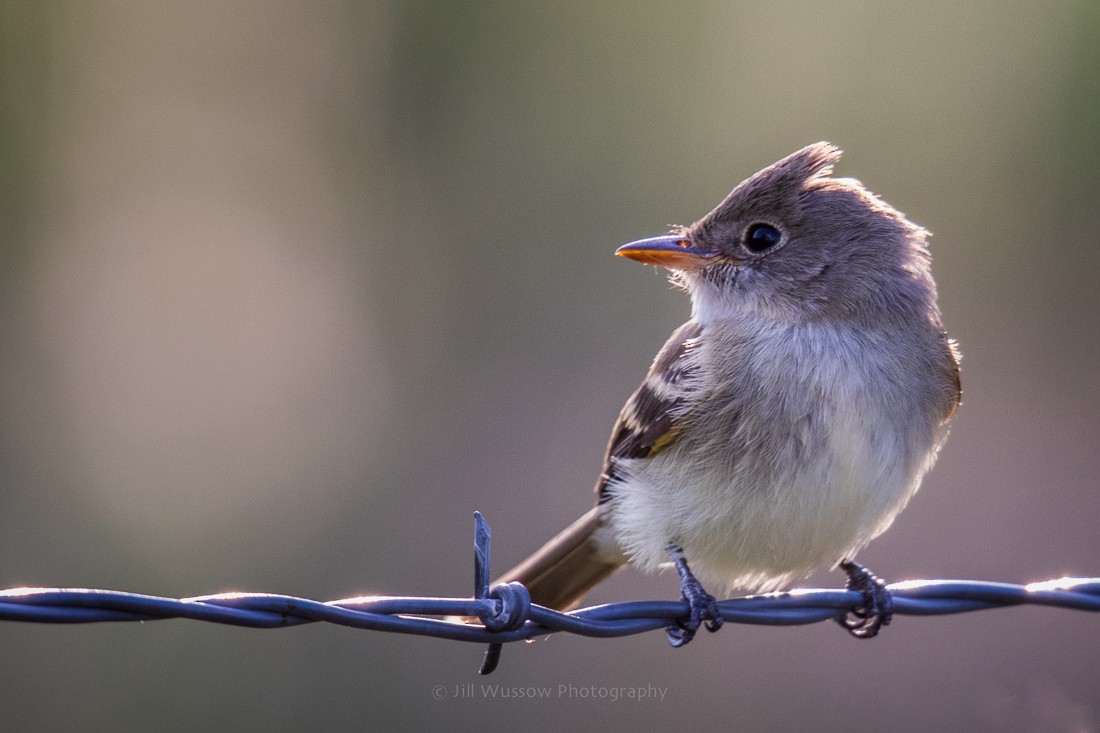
(507, 614)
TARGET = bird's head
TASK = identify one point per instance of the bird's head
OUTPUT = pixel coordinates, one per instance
(793, 243)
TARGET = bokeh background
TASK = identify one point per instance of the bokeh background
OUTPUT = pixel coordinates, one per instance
(287, 290)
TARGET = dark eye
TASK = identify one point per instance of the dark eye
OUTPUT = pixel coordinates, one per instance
(761, 237)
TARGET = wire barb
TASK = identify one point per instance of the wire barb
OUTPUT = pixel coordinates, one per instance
(507, 614)
(512, 599)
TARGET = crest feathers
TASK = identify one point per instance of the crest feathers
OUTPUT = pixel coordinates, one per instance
(779, 182)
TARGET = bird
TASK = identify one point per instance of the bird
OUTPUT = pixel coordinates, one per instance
(789, 420)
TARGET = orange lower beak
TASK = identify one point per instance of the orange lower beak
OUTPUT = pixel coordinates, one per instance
(668, 250)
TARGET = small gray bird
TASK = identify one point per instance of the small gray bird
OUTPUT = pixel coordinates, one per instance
(789, 421)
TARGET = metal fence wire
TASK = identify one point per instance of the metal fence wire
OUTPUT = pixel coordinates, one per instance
(506, 613)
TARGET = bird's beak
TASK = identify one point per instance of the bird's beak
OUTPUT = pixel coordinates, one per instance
(667, 250)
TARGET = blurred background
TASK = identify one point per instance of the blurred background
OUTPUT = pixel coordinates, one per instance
(288, 290)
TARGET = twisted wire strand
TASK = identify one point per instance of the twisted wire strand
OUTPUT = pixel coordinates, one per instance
(507, 614)
(414, 614)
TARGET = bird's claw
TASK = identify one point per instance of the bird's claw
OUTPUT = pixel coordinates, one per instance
(865, 621)
(703, 610)
(702, 606)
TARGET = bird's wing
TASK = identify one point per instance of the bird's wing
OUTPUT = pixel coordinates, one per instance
(648, 421)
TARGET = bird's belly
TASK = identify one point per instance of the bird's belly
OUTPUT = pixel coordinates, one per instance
(769, 511)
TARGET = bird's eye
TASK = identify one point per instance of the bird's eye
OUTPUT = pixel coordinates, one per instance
(761, 237)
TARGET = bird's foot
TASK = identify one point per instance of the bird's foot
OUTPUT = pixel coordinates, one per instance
(865, 621)
(702, 606)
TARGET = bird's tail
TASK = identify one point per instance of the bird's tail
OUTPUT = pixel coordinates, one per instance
(568, 566)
